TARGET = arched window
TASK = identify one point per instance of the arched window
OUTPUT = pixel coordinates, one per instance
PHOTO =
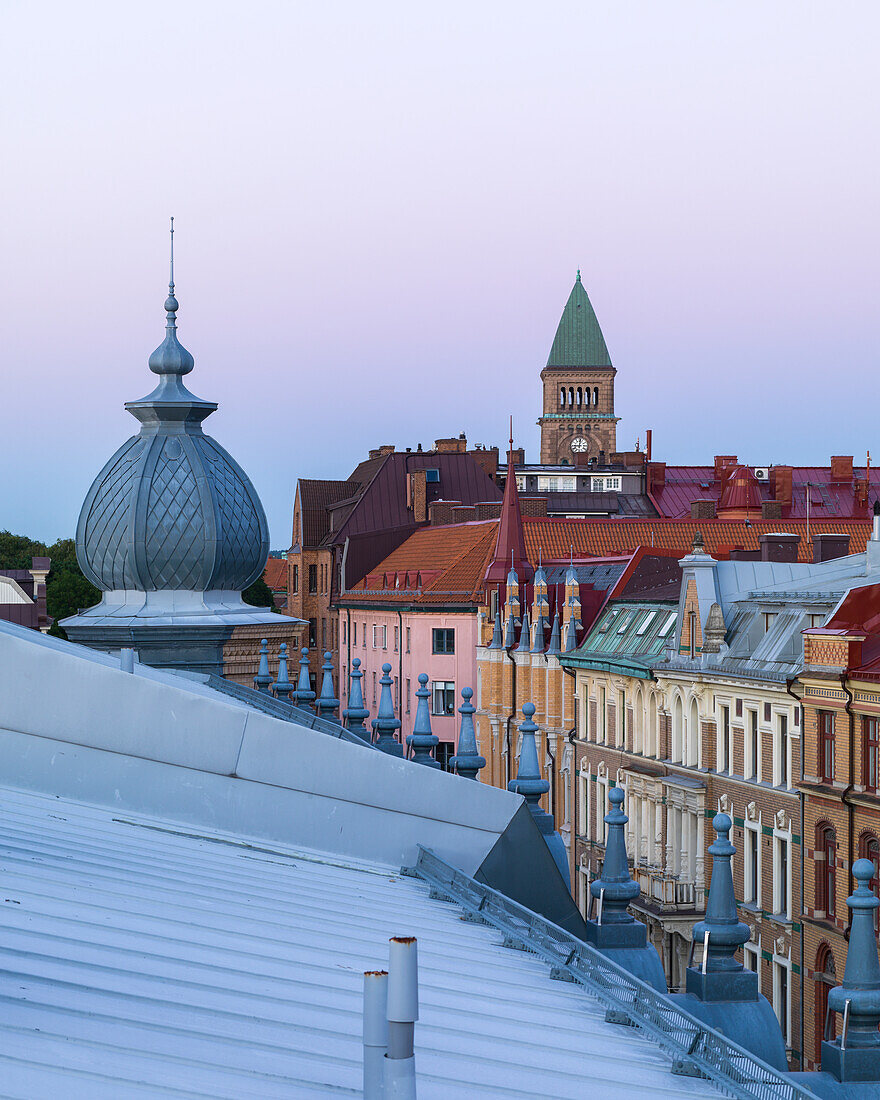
(562, 396)
(826, 858)
(587, 396)
(638, 723)
(580, 397)
(571, 395)
(595, 395)
(693, 736)
(677, 730)
(826, 979)
(651, 748)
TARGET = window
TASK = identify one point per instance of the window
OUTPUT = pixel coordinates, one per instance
(624, 623)
(826, 858)
(343, 632)
(667, 626)
(396, 694)
(601, 809)
(780, 754)
(752, 959)
(583, 807)
(364, 635)
(432, 476)
(380, 637)
(753, 769)
(323, 633)
(752, 864)
(781, 986)
(396, 638)
(621, 720)
(313, 632)
(313, 579)
(294, 579)
(769, 620)
(442, 697)
(817, 621)
(443, 640)
(826, 979)
(782, 875)
(407, 695)
(870, 739)
(826, 745)
(407, 638)
(443, 753)
(869, 848)
(725, 756)
(605, 484)
(600, 708)
(374, 689)
(354, 633)
(646, 622)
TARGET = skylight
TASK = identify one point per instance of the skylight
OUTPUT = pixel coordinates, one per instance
(667, 626)
(646, 622)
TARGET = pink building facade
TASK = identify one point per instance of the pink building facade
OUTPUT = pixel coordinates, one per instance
(441, 642)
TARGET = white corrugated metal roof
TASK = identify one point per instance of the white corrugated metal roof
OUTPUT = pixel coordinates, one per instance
(140, 959)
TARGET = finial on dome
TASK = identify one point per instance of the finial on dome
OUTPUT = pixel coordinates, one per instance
(578, 275)
(171, 357)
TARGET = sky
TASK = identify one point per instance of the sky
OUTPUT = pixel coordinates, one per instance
(379, 212)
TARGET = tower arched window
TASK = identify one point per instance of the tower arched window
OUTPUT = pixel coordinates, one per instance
(826, 853)
(571, 395)
(562, 396)
(595, 395)
(587, 396)
(579, 396)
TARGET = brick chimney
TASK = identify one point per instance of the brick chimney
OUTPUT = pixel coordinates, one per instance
(656, 477)
(841, 468)
(441, 512)
(722, 463)
(703, 509)
(417, 494)
(779, 546)
(456, 445)
(781, 484)
(830, 545)
(771, 509)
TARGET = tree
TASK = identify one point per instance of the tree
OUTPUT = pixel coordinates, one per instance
(16, 551)
(259, 594)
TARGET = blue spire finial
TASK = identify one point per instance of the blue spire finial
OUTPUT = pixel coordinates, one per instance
(264, 677)
(171, 357)
(467, 761)
(282, 686)
(509, 633)
(385, 724)
(356, 714)
(860, 1060)
(171, 279)
(303, 695)
(422, 740)
(555, 646)
(525, 639)
(726, 933)
(615, 880)
(496, 642)
(326, 705)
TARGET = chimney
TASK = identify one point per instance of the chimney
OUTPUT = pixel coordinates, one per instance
(739, 553)
(781, 483)
(451, 446)
(722, 463)
(656, 476)
(702, 509)
(649, 438)
(779, 546)
(771, 509)
(841, 468)
(418, 494)
(830, 545)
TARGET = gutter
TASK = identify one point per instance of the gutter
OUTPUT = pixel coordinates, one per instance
(846, 796)
(788, 686)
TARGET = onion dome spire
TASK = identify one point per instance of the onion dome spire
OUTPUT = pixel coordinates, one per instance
(422, 740)
(282, 686)
(385, 724)
(327, 704)
(467, 761)
(171, 357)
(356, 714)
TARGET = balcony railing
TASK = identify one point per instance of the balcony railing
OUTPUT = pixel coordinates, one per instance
(666, 889)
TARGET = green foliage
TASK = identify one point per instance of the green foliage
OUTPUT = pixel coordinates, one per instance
(259, 594)
(67, 590)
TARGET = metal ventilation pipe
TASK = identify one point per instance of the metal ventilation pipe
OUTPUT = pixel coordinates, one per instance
(403, 1011)
(375, 1033)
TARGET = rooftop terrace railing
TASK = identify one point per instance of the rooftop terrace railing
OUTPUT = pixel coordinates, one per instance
(696, 1049)
(278, 708)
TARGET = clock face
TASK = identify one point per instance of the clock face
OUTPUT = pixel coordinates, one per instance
(579, 444)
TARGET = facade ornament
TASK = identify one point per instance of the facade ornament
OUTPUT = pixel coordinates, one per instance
(422, 740)
(752, 811)
(282, 686)
(385, 724)
(356, 714)
(714, 631)
(467, 761)
(264, 677)
(326, 705)
(781, 821)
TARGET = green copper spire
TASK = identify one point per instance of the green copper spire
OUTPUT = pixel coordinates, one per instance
(579, 341)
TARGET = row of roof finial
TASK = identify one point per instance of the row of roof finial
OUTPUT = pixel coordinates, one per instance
(517, 634)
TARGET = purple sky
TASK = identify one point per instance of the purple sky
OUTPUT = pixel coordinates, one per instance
(380, 210)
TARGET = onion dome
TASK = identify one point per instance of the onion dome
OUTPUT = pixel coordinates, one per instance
(172, 510)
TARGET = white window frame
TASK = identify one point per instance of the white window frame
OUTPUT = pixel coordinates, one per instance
(752, 950)
(782, 890)
(752, 827)
(780, 714)
(602, 788)
(583, 809)
(781, 962)
(752, 767)
(722, 703)
(601, 715)
(380, 631)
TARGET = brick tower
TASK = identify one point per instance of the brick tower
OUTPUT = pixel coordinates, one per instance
(578, 420)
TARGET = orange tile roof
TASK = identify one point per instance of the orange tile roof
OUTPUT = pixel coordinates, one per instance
(601, 537)
(451, 561)
(275, 574)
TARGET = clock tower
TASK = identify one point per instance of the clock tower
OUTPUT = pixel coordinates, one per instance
(578, 420)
